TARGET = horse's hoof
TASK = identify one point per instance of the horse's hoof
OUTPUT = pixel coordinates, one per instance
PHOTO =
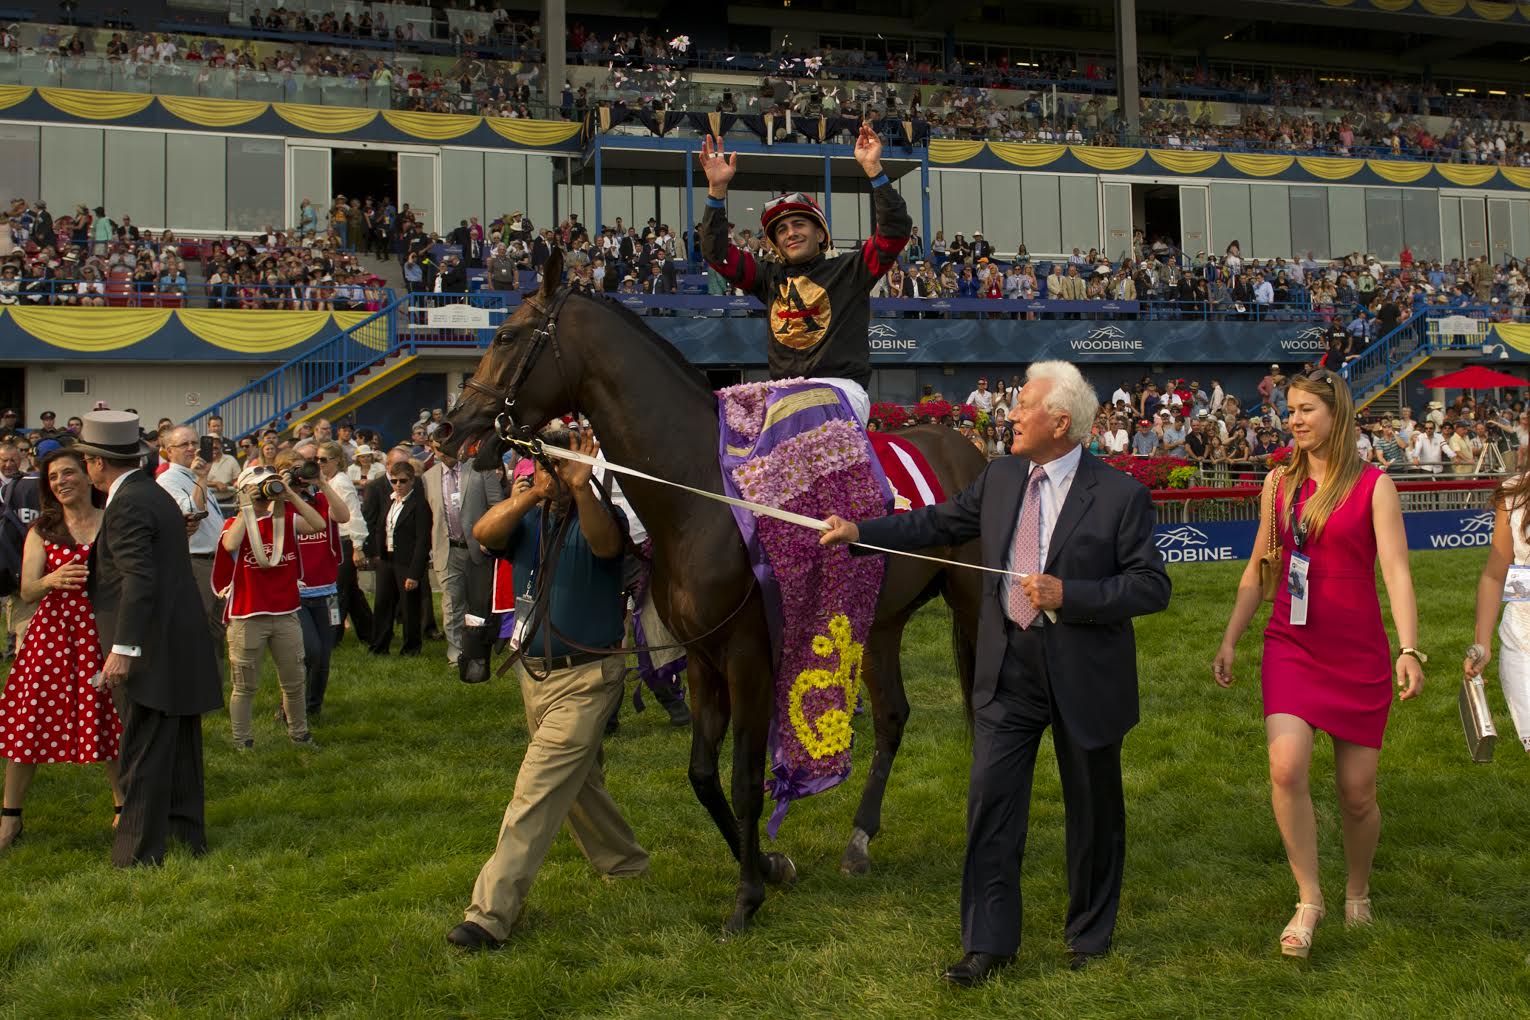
(779, 870)
(857, 858)
(738, 923)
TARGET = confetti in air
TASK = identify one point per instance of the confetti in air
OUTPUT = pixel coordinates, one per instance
(680, 43)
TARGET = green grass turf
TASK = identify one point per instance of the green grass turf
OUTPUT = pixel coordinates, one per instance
(335, 873)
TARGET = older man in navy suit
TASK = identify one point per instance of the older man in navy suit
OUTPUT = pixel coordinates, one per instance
(1055, 648)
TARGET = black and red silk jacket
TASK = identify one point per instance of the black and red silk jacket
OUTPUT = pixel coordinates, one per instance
(818, 310)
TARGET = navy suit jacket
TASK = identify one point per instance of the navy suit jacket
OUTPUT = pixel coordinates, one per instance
(1101, 549)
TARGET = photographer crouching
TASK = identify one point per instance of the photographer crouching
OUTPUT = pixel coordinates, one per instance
(257, 573)
(319, 558)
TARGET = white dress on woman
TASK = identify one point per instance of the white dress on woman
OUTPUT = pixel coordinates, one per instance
(1514, 640)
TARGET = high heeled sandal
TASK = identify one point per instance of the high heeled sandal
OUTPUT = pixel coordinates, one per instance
(116, 815)
(11, 812)
(1301, 948)
(1357, 911)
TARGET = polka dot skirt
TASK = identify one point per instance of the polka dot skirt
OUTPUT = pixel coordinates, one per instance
(49, 712)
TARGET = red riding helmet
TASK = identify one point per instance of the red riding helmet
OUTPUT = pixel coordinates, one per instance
(794, 204)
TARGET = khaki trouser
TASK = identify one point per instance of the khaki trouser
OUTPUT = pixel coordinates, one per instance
(560, 778)
(247, 639)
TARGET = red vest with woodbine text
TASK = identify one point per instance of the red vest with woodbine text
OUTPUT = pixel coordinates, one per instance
(253, 590)
(319, 553)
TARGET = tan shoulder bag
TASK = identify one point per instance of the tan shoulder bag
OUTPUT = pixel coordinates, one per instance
(1273, 560)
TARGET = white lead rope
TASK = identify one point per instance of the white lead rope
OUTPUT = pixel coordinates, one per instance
(760, 508)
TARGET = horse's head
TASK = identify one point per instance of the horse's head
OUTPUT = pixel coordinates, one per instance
(524, 380)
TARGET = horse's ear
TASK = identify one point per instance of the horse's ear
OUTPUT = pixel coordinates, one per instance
(552, 273)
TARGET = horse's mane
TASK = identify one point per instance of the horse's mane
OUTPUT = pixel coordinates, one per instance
(688, 371)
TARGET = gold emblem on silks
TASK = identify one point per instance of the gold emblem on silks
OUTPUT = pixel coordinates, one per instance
(799, 314)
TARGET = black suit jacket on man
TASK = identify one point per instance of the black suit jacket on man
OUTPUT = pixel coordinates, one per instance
(1102, 550)
(376, 494)
(145, 595)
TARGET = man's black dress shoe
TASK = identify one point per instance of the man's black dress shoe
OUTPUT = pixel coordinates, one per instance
(1078, 961)
(975, 968)
(472, 937)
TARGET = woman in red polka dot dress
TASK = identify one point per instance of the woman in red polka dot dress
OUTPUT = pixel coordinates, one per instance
(50, 710)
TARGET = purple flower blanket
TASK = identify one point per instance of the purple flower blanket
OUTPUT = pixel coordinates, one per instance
(796, 445)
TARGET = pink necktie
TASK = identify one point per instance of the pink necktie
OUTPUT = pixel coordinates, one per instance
(1026, 554)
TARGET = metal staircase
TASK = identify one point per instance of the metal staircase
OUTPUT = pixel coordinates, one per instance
(1375, 375)
(349, 367)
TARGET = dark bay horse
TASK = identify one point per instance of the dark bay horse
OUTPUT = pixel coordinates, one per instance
(560, 353)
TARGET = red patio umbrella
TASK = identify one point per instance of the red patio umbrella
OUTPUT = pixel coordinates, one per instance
(1474, 378)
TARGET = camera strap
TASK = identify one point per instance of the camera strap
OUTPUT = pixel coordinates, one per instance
(263, 558)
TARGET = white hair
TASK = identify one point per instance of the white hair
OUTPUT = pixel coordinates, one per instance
(1070, 394)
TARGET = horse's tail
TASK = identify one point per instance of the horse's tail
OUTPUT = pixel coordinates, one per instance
(964, 648)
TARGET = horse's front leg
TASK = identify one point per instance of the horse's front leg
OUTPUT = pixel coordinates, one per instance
(751, 725)
(889, 712)
(709, 724)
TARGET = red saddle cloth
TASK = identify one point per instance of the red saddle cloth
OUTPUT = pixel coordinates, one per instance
(913, 482)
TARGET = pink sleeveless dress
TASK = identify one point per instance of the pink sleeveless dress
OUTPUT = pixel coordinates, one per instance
(1335, 671)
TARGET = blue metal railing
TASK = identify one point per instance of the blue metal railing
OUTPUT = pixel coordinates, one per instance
(329, 365)
(1381, 365)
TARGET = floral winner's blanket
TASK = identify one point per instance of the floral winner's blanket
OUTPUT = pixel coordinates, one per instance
(796, 445)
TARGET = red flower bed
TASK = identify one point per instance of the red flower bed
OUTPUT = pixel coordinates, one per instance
(1150, 471)
(892, 416)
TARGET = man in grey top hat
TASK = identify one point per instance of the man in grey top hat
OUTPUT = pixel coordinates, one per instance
(162, 672)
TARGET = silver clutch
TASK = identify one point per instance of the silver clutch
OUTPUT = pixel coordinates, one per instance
(1477, 719)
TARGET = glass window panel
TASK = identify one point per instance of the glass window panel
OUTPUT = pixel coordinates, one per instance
(194, 183)
(1118, 223)
(845, 204)
(1519, 226)
(1346, 221)
(135, 187)
(539, 191)
(72, 162)
(644, 206)
(937, 214)
(1421, 222)
(417, 187)
(961, 205)
(1001, 222)
(1080, 199)
(311, 167)
(1230, 219)
(1041, 214)
(1269, 221)
(504, 186)
(256, 182)
(462, 187)
(672, 208)
(1383, 223)
(1450, 227)
(616, 201)
(1498, 229)
(1473, 228)
(21, 168)
(1309, 222)
(1194, 228)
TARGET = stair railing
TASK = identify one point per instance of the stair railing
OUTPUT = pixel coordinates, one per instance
(329, 365)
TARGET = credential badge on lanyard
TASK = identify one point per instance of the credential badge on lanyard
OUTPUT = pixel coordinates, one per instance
(1301, 564)
(526, 600)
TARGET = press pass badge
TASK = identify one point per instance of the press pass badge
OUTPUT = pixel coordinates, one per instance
(1296, 583)
(523, 606)
(334, 610)
(1516, 587)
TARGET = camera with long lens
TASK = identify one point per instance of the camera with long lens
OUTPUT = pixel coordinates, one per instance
(305, 472)
(268, 487)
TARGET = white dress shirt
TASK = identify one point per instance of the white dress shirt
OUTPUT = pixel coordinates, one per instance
(394, 509)
(354, 529)
(181, 483)
(1052, 489)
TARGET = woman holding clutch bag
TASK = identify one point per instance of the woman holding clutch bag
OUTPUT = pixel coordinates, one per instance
(1510, 548)
(1327, 664)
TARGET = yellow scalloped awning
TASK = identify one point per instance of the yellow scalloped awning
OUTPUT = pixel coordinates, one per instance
(1026, 154)
(10, 95)
(1329, 168)
(1101, 158)
(90, 329)
(1185, 162)
(1444, 8)
(1466, 176)
(95, 105)
(253, 332)
(1398, 173)
(951, 150)
(1515, 175)
(214, 113)
(1259, 164)
(1515, 334)
(433, 127)
(532, 132)
(1491, 11)
(324, 120)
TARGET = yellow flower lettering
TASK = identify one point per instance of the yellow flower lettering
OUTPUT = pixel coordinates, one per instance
(829, 734)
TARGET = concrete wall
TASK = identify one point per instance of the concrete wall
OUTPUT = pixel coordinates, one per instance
(156, 390)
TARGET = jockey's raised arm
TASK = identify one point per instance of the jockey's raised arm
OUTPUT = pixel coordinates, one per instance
(819, 308)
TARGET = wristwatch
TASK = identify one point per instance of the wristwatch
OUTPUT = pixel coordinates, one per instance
(1420, 656)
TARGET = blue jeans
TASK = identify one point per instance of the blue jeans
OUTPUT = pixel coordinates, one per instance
(318, 641)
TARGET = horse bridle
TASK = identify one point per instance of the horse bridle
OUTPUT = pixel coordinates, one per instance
(506, 427)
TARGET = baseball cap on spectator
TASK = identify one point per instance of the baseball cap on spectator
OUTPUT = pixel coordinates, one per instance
(1144, 424)
(46, 447)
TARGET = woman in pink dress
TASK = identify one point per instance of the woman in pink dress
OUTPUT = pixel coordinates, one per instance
(1332, 670)
(50, 710)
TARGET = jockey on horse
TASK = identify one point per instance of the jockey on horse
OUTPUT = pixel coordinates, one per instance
(819, 308)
